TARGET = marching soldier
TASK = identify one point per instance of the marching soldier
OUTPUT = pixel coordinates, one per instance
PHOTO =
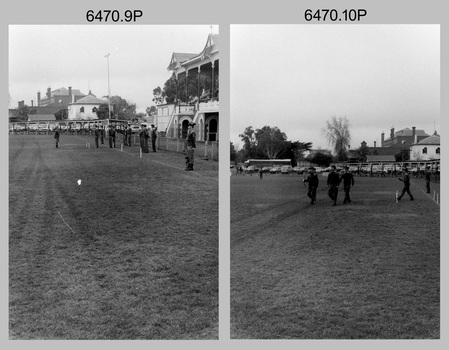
(153, 137)
(97, 133)
(348, 181)
(57, 137)
(406, 180)
(428, 174)
(333, 181)
(111, 137)
(191, 145)
(313, 181)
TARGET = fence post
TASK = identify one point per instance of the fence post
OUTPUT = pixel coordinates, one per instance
(212, 153)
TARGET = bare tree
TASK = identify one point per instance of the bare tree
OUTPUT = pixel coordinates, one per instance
(338, 136)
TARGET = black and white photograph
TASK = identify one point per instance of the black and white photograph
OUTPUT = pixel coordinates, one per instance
(113, 181)
(335, 181)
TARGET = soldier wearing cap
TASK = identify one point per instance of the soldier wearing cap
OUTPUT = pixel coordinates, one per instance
(313, 181)
(111, 136)
(97, 133)
(333, 181)
(406, 180)
(191, 145)
(144, 136)
(348, 181)
(57, 137)
(427, 177)
(153, 137)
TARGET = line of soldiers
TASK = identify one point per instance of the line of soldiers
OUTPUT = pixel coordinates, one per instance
(333, 183)
(334, 180)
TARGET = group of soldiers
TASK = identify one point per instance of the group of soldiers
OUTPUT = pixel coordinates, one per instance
(334, 179)
(144, 134)
(333, 182)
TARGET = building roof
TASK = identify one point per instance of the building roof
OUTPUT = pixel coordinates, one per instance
(408, 132)
(40, 117)
(381, 158)
(65, 92)
(177, 58)
(89, 100)
(431, 140)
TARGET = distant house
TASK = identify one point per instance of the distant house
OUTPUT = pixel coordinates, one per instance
(426, 149)
(41, 117)
(380, 158)
(85, 108)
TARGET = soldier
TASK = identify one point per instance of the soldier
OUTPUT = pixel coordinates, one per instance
(57, 137)
(313, 181)
(129, 133)
(143, 134)
(333, 181)
(102, 134)
(406, 180)
(427, 175)
(97, 133)
(111, 136)
(153, 137)
(348, 181)
(191, 144)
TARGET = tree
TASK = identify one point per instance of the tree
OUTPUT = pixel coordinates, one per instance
(62, 114)
(249, 142)
(102, 111)
(321, 159)
(299, 148)
(338, 136)
(271, 142)
(158, 98)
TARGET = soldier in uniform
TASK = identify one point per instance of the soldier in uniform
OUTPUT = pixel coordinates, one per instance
(333, 181)
(153, 137)
(102, 134)
(111, 136)
(406, 180)
(97, 133)
(313, 181)
(191, 145)
(143, 134)
(129, 133)
(348, 181)
(428, 174)
(57, 137)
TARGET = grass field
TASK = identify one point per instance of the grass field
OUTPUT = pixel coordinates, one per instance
(369, 269)
(131, 253)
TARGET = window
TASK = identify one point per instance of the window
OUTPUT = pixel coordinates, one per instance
(424, 150)
(438, 150)
(82, 109)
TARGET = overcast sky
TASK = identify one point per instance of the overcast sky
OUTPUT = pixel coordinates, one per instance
(296, 77)
(61, 56)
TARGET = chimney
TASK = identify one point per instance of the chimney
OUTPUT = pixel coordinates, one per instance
(49, 93)
(414, 134)
(38, 98)
(70, 93)
(374, 144)
(382, 137)
(392, 133)
(32, 103)
(363, 144)
(21, 103)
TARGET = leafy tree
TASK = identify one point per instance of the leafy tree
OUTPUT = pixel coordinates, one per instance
(338, 136)
(321, 159)
(122, 109)
(102, 111)
(151, 110)
(158, 98)
(362, 152)
(62, 114)
(271, 142)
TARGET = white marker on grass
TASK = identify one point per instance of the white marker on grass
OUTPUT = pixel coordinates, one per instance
(396, 196)
(79, 182)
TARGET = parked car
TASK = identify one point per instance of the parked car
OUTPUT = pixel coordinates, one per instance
(266, 169)
(300, 170)
(286, 169)
(275, 170)
(135, 129)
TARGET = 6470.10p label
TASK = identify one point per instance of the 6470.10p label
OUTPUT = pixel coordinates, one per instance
(334, 15)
